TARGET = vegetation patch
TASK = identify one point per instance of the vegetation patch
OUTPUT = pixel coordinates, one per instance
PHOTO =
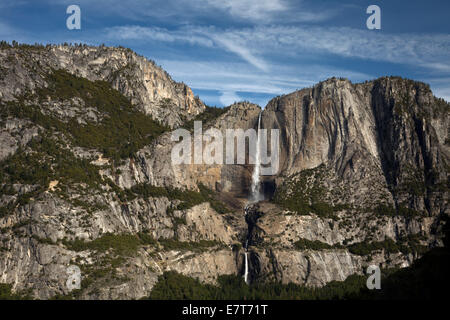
(304, 244)
(172, 285)
(188, 198)
(121, 244)
(45, 159)
(127, 244)
(209, 114)
(366, 248)
(303, 193)
(405, 245)
(171, 244)
(386, 210)
(122, 131)
(6, 293)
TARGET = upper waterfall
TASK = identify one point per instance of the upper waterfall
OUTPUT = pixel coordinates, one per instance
(256, 194)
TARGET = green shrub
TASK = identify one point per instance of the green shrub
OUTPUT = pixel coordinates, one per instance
(210, 113)
(188, 198)
(45, 160)
(304, 244)
(303, 193)
(172, 244)
(146, 239)
(366, 248)
(121, 244)
(386, 210)
(6, 293)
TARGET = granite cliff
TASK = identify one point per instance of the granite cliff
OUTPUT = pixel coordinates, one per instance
(87, 178)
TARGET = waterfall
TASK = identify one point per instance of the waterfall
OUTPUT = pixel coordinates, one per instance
(255, 188)
(246, 261)
(255, 195)
(246, 267)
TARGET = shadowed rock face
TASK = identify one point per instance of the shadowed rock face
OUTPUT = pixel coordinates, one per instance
(359, 163)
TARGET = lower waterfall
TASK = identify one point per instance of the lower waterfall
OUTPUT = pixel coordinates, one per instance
(246, 268)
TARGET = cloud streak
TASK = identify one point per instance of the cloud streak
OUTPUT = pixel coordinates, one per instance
(192, 11)
(240, 79)
(249, 9)
(229, 97)
(253, 44)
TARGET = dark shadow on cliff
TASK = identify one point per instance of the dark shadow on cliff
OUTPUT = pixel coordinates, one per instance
(426, 279)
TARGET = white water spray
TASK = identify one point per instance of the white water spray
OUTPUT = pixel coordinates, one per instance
(246, 268)
(255, 188)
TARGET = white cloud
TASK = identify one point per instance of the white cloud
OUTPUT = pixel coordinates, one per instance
(238, 47)
(346, 42)
(250, 9)
(440, 86)
(443, 93)
(191, 11)
(229, 97)
(254, 44)
(206, 37)
(437, 66)
(240, 78)
(232, 77)
(157, 34)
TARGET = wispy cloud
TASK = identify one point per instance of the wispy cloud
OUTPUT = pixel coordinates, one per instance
(229, 97)
(239, 79)
(443, 92)
(256, 43)
(250, 9)
(440, 85)
(9, 33)
(187, 35)
(191, 11)
(207, 37)
(346, 42)
(438, 66)
(238, 46)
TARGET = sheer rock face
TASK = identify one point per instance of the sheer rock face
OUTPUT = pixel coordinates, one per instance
(274, 256)
(154, 163)
(148, 87)
(376, 137)
(377, 143)
(383, 142)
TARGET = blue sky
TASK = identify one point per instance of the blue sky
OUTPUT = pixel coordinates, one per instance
(232, 50)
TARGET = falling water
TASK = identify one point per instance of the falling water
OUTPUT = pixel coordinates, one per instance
(246, 261)
(255, 188)
(246, 268)
(255, 191)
